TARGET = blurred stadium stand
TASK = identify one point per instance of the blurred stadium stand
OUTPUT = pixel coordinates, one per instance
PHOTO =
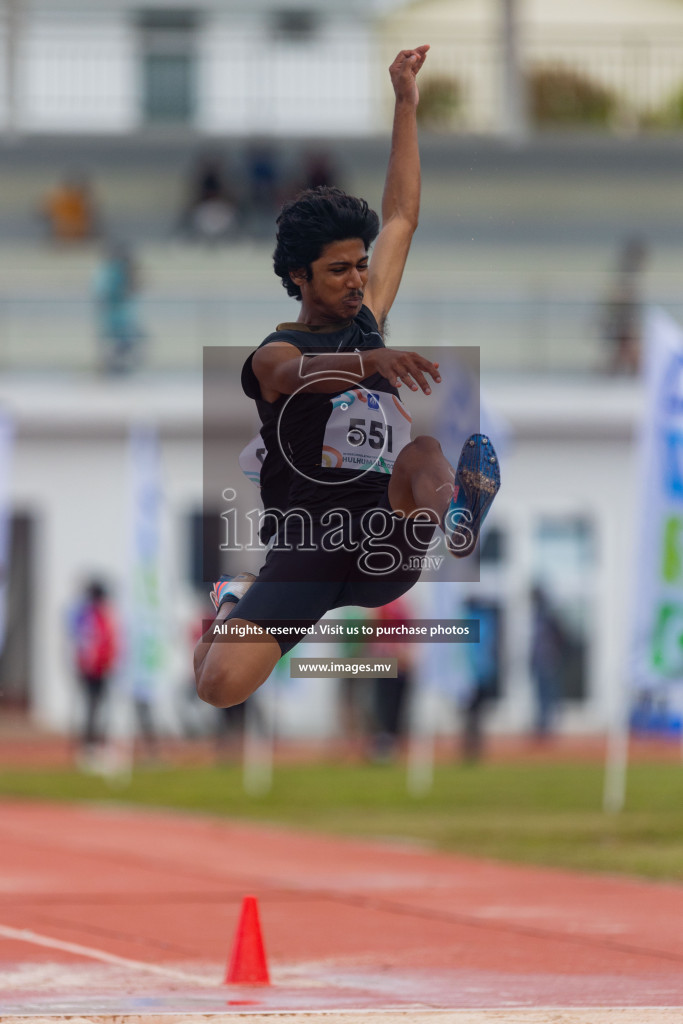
(515, 251)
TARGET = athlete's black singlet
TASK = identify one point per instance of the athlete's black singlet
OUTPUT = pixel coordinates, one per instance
(329, 450)
(319, 452)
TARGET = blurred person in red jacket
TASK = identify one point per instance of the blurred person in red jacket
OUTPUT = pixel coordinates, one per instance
(95, 641)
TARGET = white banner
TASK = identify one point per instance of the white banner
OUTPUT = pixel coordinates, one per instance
(145, 644)
(6, 442)
(463, 410)
(658, 625)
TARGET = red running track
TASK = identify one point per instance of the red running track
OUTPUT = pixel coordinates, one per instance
(150, 900)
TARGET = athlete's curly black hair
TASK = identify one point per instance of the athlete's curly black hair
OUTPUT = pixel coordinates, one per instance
(315, 218)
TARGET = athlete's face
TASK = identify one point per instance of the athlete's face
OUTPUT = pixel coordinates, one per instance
(339, 276)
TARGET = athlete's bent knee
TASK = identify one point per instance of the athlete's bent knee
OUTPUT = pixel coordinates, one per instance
(221, 687)
(425, 443)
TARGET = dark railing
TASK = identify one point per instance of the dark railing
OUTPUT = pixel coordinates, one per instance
(93, 73)
(530, 328)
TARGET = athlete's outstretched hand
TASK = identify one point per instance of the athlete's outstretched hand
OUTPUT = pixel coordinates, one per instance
(403, 368)
(404, 71)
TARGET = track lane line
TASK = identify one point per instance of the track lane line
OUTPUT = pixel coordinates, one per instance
(24, 935)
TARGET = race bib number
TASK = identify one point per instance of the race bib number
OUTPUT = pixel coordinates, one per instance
(251, 459)
(366, 431)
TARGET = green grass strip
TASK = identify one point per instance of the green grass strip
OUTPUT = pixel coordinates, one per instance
(546, 814)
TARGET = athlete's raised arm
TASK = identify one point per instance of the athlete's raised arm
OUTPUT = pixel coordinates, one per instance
(401, 198)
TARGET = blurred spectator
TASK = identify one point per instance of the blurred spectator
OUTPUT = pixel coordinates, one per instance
(622, 320)
(549, 649)
(116, 286)
(354, 693)
(390, 696)
(143, 699)
(69, 211)
(210, 213)
(319, 170)
(482, 661)
(230, 724)
(94, 638)
(264, 185)
(193, 712)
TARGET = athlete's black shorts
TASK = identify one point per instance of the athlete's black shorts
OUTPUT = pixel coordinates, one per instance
(314, 575)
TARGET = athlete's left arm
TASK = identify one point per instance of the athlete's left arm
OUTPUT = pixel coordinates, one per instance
(401, 198)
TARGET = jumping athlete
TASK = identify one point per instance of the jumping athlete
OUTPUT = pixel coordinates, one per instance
(351, 502)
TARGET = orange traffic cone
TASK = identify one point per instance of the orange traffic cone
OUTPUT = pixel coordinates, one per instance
(247, 964)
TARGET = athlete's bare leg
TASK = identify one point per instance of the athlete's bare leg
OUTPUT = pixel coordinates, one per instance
(228, 671)
(422, 478)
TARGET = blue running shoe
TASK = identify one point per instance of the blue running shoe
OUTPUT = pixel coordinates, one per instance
(477, 481)
(231, 588)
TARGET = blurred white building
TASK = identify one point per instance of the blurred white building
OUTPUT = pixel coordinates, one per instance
(309, 67)
(217, 66)
(563, 517)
